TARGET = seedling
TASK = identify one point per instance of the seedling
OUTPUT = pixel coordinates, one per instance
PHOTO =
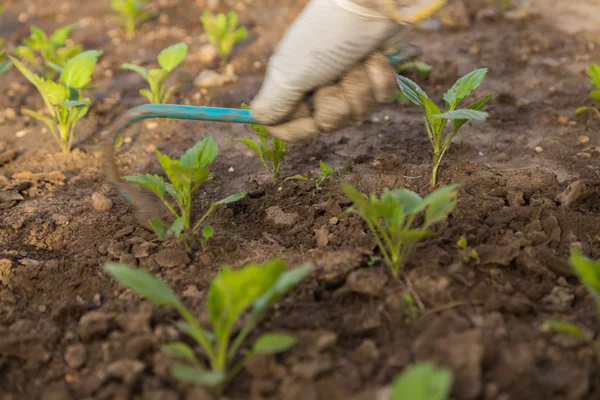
(63, 100)
(392, 216)
(223, 32)
(421, 68)
(270, 155)
(248, 291)
(168, 59)
(423, 382)
(186, 175)
(413, 310)
(319, 179)
(436, 121)
(594, 73)
(469, 254)
(131, 13)
(588, 272)
(207, 233)
(5, 64)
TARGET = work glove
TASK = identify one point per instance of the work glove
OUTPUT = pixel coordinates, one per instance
(331, 67)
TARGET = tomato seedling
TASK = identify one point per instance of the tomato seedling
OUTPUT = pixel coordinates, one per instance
(223, 32)
(63, 100)
(391, 217)
(326, 171)
(131, 13)
(168, 59)
(423, 381)
(594, 74)
(270, 155)
(186, 175)
(248, 291)
(436, 121)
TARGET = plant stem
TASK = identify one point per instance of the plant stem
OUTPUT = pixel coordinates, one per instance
(238, 367)
(436, 164)
(206, 214)
(201, 339)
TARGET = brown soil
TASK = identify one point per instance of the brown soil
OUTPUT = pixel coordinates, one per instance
(482, 320)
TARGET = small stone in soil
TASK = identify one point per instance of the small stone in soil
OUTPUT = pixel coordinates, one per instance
(572, 194)
(94, 324)
(170, 258)
(75, 356)
(101, 203)
(6, 269)
(126, 370)
(278, 217)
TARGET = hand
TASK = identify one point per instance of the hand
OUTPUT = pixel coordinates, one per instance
(332, 52)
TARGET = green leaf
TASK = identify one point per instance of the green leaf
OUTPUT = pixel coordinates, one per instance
(201, 155)
(30, 76)
(145, 285)
(78, 70)
(286, 281)
(197, 376)
(168, 93)
(325, 169)
(136, 68)
(588, 271)
(412, 237)
(253, 146)
(411, 90)
(594, 94)
(594, 73)
(177, 228)
(180, 351)
(273, 343)
(60, 36)
(5, 66)
(422, 382)
(439, 209)
(229, 199)
(567, 328)
(464, 87)
(47, 120)
(295, 178)
(172, 56)
(260, 130)
(444, 192)
(477, 105)
(147, 94)
(435, 123)
(464, 114)
(462, 243)
(408, 199)
(73, 103)
(159, 227)
(154, 183)
(55, 92)
(156, 79)
(207, 232)
(194, 331)
(582, 110)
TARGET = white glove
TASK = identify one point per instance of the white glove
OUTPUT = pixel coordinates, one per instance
(332, 42)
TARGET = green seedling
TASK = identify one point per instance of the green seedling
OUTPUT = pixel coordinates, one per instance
(423, 382)
(326, 171)
(391, 218)
(223, 32)
(247, 292)
(168, 59)
(421, 68)
(588, 272)
(436, 121)
(48, 55)
(186, 175)
(207, 233)
(413, 310)
(594, 74)
(131, 13)
(63, 100)
(469, 254)
(270, 155)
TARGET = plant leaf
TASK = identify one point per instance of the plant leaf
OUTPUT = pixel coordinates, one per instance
(554, 325)
(73, 103)
(172, 56)
(78, 70)
(411, 90)
(154, 183)
(201, 155)
(197, 376)
(47, 120)
(159, 227)
(60, 36)
(412, 237)
(229, 199)
(464, 87)
(588, 272)
(136, 68)
(594, 73)
(207, 232)
(169, 92)
(5, 66)
(286, 281)
(273, 343)
(180, 351)
(253, 146)
(325, 169)
(408, 199)
(464, 114)
(594, 94)
(147, 94)
(177, 227)
(439, 208)
(30, 76)
(422, 382)
(436, 195)
(477, 105)
(145, 285)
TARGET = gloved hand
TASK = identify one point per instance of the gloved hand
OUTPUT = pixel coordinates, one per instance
(334, 52)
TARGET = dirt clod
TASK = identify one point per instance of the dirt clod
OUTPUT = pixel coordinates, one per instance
(94, 324)
(101, 203)
(169, 258)
(75, 356)
(278, 217)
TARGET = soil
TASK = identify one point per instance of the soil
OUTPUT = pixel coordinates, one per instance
(67, 331)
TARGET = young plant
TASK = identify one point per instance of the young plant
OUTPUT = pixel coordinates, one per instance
(270, 155)
(168, 59)
(391, 218)
(326, 171)
(423, 382)
(588, 272)
(436, 121)
(469, 254)
(412, 310)
(131, 13)
(5, 64)
(186, 175)
(48, 55)
(594, 73)
(248, 291)
(421, 68)
(63, 100)
(223, 32)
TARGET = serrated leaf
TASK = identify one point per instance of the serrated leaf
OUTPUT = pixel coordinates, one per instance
(464, 87)
(145, 285)
(257, 128)
(180, 351)
(154, 183)
(60, 36)
(464, 114)
(201, 155)
(422, 382)
(408, 199)
(594, 73)
(230, 199)
(325, 169)
(567, 328)
(411, 90)
(30, 76)
(55, 92)
(172, 56)
(197, 376)
(273, 343)
(252, 145)
(78, 70)
(136, 68)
